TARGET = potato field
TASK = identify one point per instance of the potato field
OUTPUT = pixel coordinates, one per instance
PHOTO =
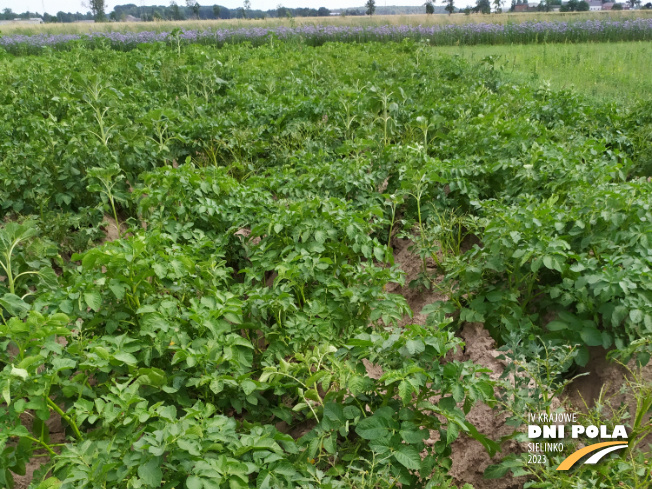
(259, 267)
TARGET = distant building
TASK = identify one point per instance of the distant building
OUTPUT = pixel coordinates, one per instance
(31, 20)
(595, 5)
(608, 5)
(521, 7)
(131, 18)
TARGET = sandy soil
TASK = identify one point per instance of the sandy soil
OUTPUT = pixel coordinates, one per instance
(468, 456)
(111, 229)
(617, 381)
(57, 435)
(417, 299)
(470, 459)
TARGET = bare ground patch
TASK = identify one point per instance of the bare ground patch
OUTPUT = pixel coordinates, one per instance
(613, 378)
(470, 459)
(57, 436)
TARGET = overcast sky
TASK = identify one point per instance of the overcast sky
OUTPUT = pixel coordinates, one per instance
(54, 6)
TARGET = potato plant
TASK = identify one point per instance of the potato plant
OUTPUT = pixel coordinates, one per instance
(220, 339)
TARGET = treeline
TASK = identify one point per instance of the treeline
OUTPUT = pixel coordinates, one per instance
(195, 11)
(400, 10)
(174, 11)
(8, 14)
(391, 10)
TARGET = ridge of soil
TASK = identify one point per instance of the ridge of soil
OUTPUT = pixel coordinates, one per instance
(469, 457)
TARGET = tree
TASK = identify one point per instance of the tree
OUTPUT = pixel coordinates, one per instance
(583, 6)
(498, 6)
(647, 6)
(323, 12)
(175, 11)
(246, 8)
(194, 6)
(216, 11)
(430, 8)
(371, 7)
(281, 11)
(617, 6)
(482, 6)
(97, 8)
(450, 8)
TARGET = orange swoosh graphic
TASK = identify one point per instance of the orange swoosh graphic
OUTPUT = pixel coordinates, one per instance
(574, 457)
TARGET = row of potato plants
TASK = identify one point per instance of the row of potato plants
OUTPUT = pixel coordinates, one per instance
(219, 340)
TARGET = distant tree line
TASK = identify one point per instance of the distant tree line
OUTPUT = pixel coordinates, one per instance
(8, 14)
(174, 11)
(576, 5)
(192, 10)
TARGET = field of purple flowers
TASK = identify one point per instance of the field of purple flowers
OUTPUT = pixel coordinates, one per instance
(448, 34)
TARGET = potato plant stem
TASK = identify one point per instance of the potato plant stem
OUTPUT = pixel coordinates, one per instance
(43, 444)
(64, 416)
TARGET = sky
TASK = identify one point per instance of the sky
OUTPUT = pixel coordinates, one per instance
(54, 6)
